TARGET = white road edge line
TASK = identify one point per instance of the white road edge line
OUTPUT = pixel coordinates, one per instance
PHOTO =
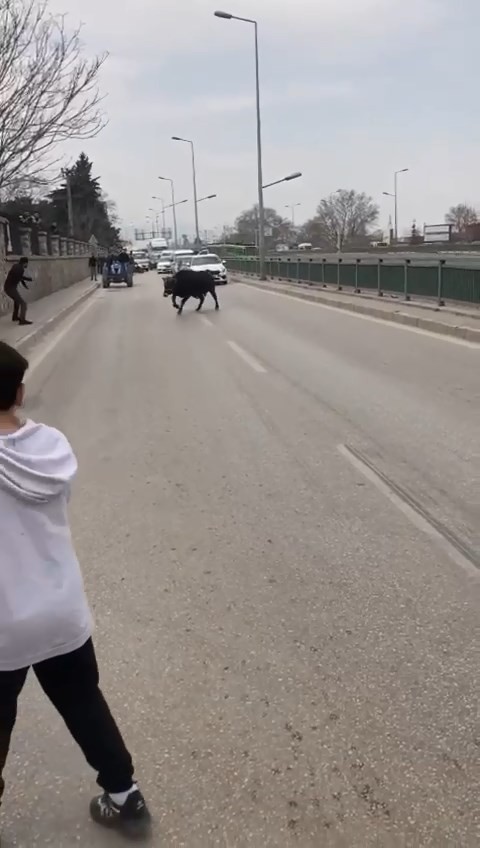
(250, 360)
(438, 336)
(206, 321)
(413, 516)
(47, 349)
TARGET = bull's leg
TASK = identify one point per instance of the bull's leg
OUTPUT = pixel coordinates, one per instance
(214, 295)
(174, 301)
(184, 300)
(201, 299)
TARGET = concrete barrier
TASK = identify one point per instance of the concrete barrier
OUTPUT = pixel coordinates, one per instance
(50, 273)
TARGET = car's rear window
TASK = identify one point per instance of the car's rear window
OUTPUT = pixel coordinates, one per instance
(206, 259)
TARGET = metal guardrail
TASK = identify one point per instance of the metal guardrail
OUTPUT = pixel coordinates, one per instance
(405, 277)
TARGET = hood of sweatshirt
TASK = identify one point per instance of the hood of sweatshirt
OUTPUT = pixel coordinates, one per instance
(37, 463)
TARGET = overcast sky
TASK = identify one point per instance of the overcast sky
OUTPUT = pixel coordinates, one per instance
(351, 91)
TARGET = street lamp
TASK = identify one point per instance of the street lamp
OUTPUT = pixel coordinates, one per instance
(164, 230)
(395, 196)
(172, 207)
(177, 203)
(195, 201)
(155, 211)
(293, 176)
(207, 197)
(261, 212)
(292, 207)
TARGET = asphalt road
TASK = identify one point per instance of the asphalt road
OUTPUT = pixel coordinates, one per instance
(277, 515)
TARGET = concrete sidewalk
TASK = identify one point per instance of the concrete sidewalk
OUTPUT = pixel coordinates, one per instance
(463, 323)
(45, 313)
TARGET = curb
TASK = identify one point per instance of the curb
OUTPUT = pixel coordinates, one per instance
(396, 317)
(28, 341)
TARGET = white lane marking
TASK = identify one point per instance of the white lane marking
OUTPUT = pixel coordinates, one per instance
(384, 321)
(47, 349)
(250, 360)
(206, 321)
(416, 518)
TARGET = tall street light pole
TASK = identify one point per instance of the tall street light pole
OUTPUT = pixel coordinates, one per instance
(261, 211)
(175, 236)
(395, 197)
(156, 218)
(293, 176)
(207, 197)
(292, 207)
(195, 201)
(164, 230)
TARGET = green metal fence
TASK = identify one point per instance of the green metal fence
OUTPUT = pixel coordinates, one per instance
(405, 277)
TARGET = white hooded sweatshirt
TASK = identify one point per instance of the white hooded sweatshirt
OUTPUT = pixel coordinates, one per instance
(43, 607)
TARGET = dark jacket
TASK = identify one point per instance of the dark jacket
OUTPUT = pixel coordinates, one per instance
(92, 262)
(15, 276)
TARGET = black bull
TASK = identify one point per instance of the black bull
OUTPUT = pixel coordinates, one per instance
(187, 283)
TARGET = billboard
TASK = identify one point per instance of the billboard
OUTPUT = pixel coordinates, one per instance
(437, 233)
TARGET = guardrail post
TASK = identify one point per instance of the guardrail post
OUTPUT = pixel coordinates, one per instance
(310, 270)
(357, 263)
(339, 262)
(379, 278)
(440, 299)
(406, 295)
(323, 271)
(298, 269)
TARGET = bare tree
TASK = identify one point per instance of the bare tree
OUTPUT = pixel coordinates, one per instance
(48, 91)
(461, 216)
(277, 228)
(344, 216)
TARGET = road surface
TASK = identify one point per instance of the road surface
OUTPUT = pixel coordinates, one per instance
(277, 515)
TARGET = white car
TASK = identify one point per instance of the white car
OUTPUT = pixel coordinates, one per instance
(165, 263)
(211, 262)
(171, 260)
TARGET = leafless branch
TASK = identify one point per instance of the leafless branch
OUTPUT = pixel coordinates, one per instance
(48, 90)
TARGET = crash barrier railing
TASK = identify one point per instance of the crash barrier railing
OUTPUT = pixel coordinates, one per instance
(405, 277)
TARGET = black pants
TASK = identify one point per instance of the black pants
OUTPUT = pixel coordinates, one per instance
(93, 273)
(71, 683)
(19, 304)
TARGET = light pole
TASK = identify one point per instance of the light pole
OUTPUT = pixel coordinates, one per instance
(292, 207)
(293, 176)
(155, 211)
(172, 207)
(195, 201)
(164, 229)
(207, 197)
(395, 196)
(261, 212)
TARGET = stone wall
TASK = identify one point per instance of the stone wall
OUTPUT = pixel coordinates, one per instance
(65, 263)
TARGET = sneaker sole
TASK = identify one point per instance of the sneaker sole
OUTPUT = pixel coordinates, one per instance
(128, 827)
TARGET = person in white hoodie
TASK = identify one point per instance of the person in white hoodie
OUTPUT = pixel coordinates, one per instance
(45, 621)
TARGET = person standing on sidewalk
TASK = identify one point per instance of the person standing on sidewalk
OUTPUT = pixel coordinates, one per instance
(15, 276)
(45, 621)
(92, 264)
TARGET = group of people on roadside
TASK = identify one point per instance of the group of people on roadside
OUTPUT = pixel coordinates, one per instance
(17, 276)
